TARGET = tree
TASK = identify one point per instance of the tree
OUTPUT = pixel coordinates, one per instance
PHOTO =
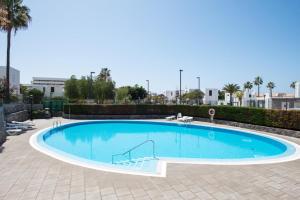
(3, 83)
(240, 95)
(231, 89)
(137, 93)
(104, 90)
(159, 99)
(271, 86)
(23, 89)
(16, 17)
(72, 89)
(293, 85)
(195, 96)
(104, 74)
(221, 95)
(83, 86)
(248, 86)
(2, 88)
(122, 94)
(37, 95)
(258, 81)
(3, 14)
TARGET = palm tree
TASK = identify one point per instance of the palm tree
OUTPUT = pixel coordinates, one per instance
(248, 86)
(3, 15)
(271, 86)
(293, 85)
(240, 95)
(17, 18)
(258, 81)
(231, 89)
(104, 74)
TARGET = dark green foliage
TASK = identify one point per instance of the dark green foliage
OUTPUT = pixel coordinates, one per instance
(39, 114)
(257, 116)
(71, 88)
(137, 93)
(37, 95)
(221, 95)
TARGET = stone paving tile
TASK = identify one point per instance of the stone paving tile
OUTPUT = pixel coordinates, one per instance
(27, 174)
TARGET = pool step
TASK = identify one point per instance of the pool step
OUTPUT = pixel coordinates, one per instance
(138, 163)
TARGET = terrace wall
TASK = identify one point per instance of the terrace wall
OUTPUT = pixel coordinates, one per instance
(19, 111)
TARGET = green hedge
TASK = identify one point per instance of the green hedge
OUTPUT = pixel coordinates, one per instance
(257, 116)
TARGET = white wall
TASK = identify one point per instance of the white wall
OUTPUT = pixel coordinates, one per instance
(297, 89)
(211, 96)
(58, 90)
(248, 97)
(14, 78)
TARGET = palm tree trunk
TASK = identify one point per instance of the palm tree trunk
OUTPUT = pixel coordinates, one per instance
(7, 88)
(258, 90)
(230, 96)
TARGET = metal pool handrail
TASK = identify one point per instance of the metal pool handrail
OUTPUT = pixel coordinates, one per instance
(133, 148)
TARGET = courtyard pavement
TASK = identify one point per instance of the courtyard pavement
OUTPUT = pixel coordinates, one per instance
(28, 174)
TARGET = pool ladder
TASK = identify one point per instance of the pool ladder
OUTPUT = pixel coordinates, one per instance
(56, 124)
(133, 148)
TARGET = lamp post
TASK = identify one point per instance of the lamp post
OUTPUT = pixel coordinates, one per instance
(91, 85)
(31, 102)
(148, 90)
(180, 71)
(199, 89)
(51, 112)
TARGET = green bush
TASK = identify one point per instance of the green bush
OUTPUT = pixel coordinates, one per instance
(39, 114)
(257, 116)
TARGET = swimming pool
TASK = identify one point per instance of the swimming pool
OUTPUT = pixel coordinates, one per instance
(145, 147)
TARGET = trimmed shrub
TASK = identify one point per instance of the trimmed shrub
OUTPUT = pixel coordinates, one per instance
(257, 116)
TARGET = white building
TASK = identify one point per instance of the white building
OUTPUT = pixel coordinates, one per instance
(14, 78)
(52, 87)
(249, 98)
(171, 95)
(297, 89)
(211, 96)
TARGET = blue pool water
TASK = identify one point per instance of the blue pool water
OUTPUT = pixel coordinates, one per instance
(99, 140)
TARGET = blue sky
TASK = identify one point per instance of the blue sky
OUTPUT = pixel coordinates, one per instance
(222, 41)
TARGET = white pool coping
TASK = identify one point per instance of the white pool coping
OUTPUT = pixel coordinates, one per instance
(161, 170)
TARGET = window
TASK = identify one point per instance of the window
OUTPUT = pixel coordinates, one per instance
(52, 89)
(210, 93)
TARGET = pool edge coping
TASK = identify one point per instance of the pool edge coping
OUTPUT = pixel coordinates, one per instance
(161, 168)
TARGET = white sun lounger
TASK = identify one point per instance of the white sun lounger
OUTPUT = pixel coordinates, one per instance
(24, 123)
(13, 131)
(171, 118)
(19, 126)
(185, 119)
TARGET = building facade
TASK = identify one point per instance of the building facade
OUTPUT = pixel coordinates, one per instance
(211, 96)
(51, 87)
(14, 78)
(297, 89)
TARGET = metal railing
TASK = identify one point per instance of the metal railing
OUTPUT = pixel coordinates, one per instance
(56, 123)
(133, 148)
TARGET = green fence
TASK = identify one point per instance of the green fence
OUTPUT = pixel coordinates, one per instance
(54, 105)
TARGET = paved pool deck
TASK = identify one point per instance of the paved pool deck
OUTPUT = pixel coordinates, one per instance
(28, 174)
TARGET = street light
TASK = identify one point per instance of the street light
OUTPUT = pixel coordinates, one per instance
(199, 89)
(31, 102)
(180, 71)
(148, 90)
(91, 85)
